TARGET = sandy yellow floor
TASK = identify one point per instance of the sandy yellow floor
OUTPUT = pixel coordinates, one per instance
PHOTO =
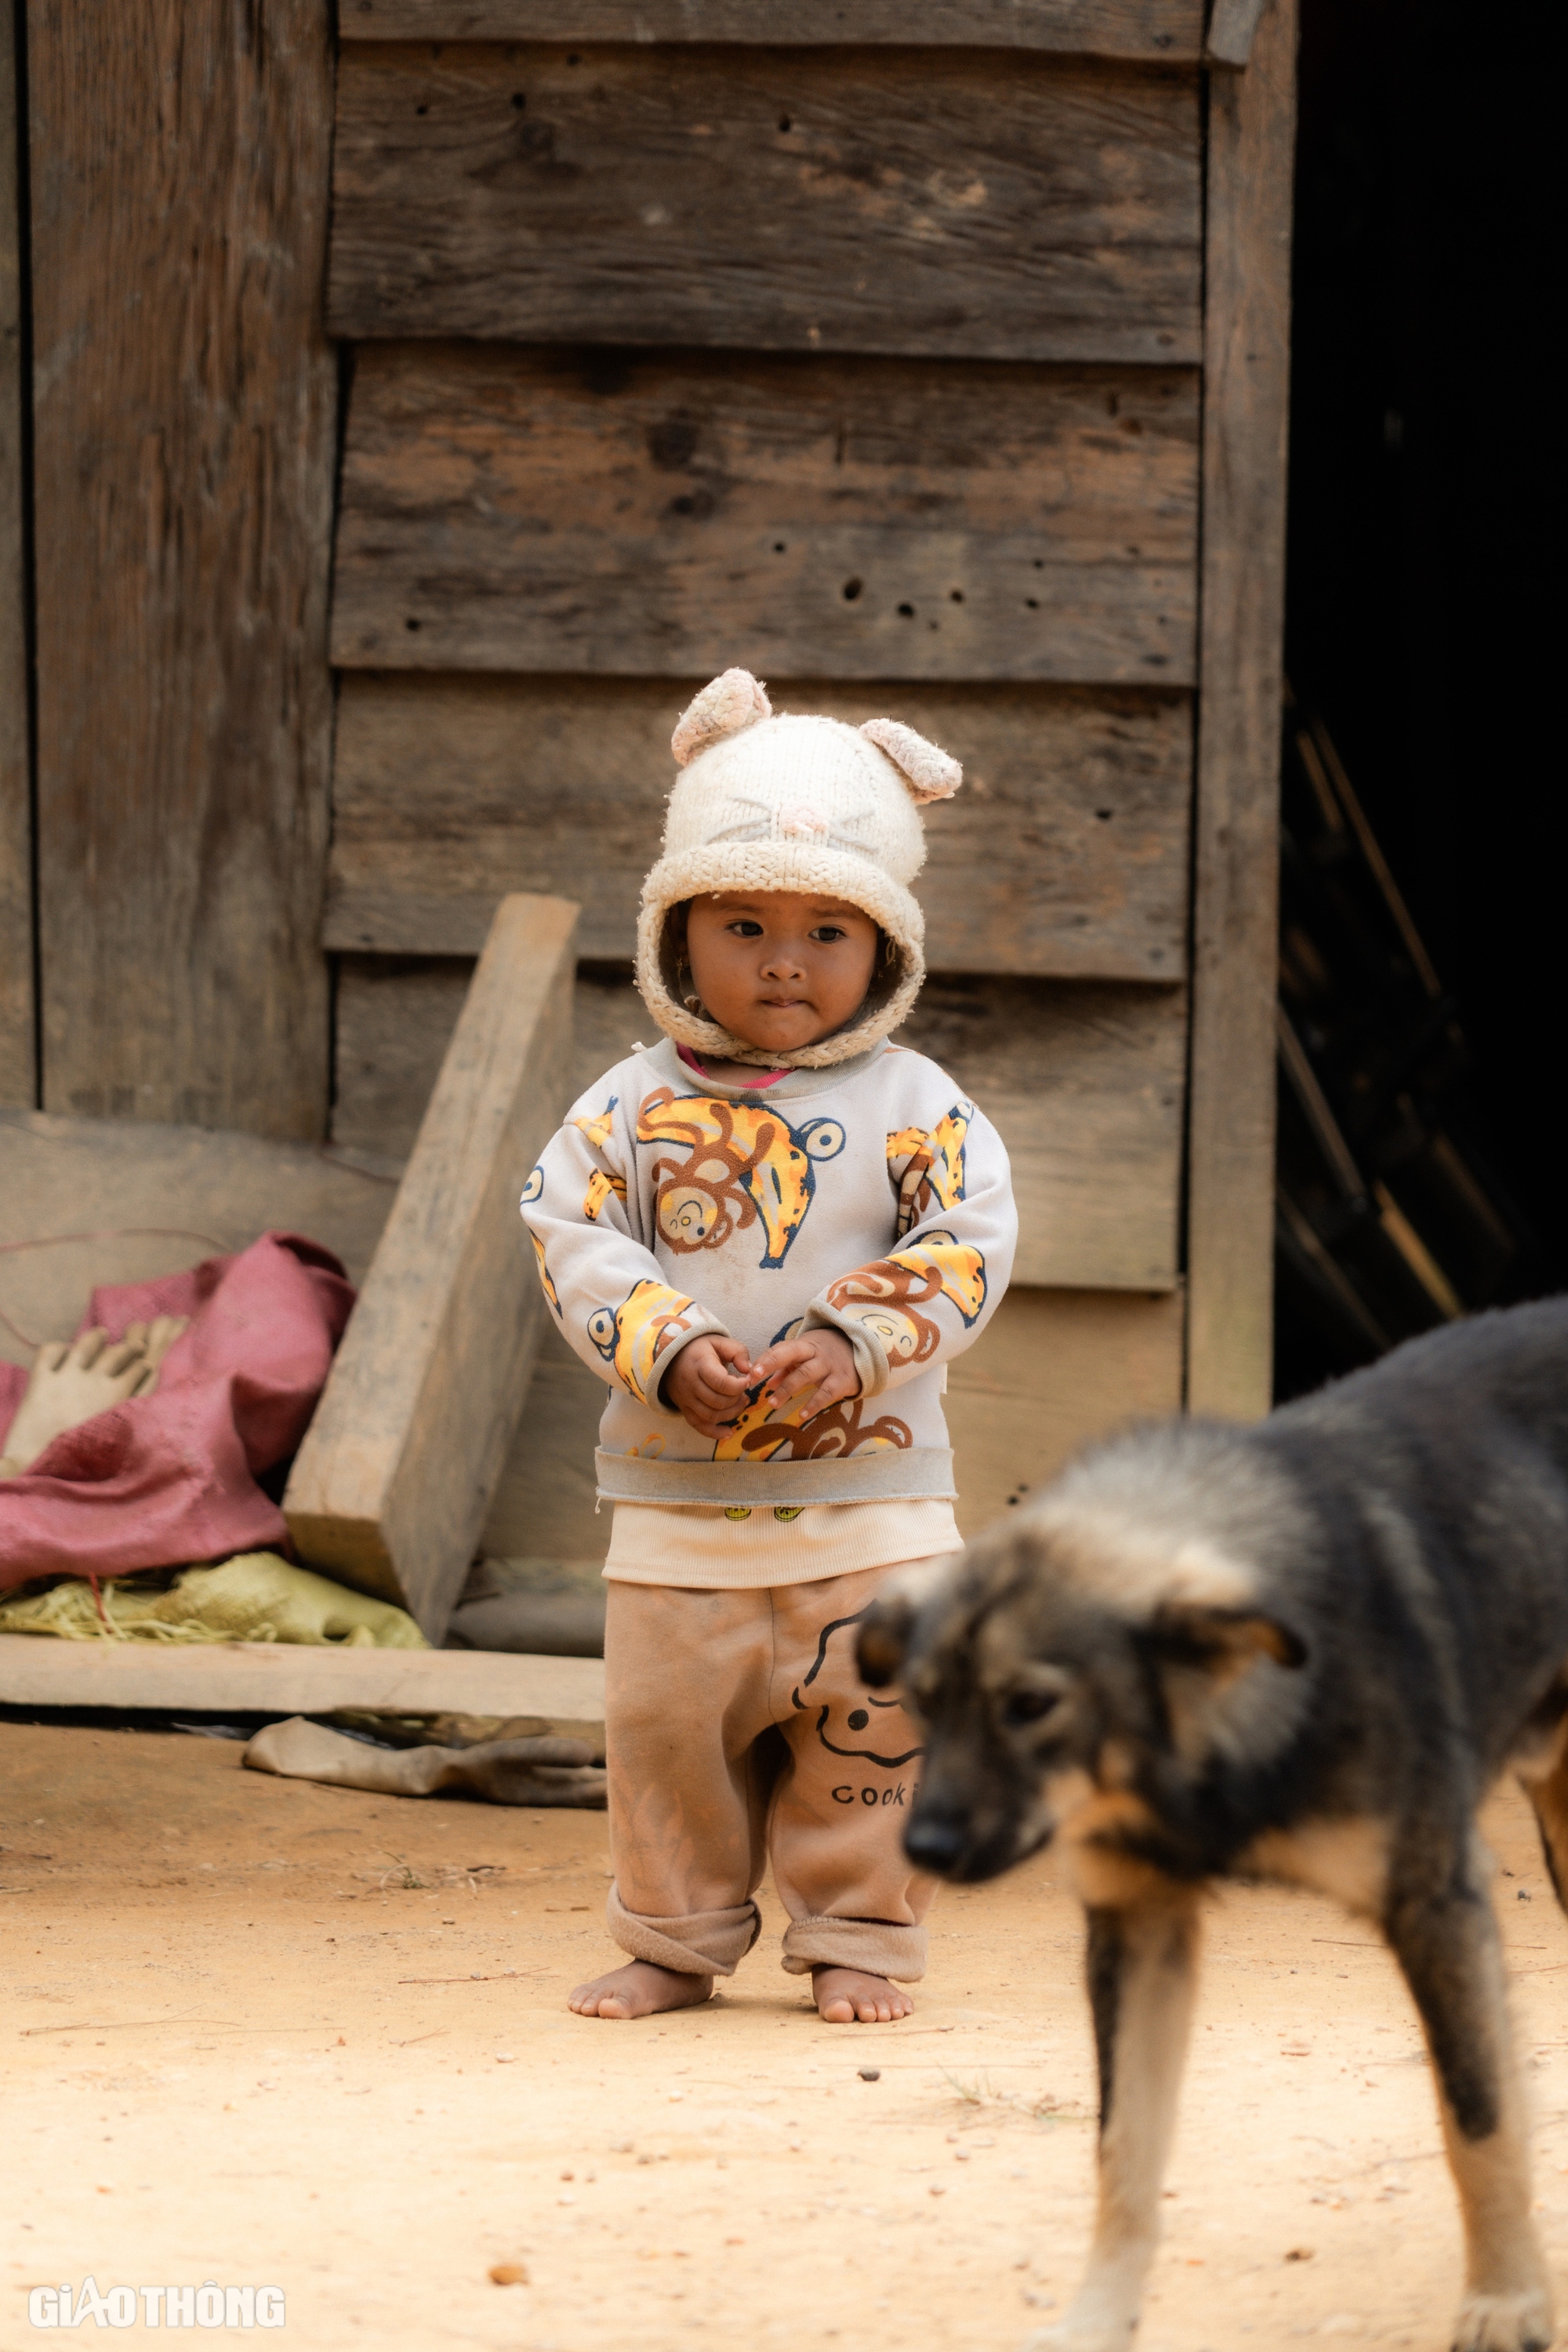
(259, 2031)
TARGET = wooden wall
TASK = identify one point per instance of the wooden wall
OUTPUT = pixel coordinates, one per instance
(17, 1076)
(184, 400)
(674, 347)
(925, 361)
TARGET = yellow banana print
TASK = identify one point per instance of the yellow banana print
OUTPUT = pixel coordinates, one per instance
(600, 1188)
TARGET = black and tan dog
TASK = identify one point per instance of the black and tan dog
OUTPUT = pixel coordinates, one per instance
(1302, 1651)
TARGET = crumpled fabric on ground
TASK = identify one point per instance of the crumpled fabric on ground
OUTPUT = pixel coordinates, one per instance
(256, 1597)
(545, 1771)
(171, 1479)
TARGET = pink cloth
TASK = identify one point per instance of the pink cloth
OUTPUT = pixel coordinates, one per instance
(171, 1479)
(768, 1078)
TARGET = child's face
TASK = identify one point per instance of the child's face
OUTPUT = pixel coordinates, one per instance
(779, 968)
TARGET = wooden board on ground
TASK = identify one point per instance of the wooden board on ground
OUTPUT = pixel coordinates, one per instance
(1230, 1182)
(17, 1076)
(1083, 1083)
(390, 1486)
(1053, 1369)
(1008, 207)
(113, 1200)
(1066, 853)
(663, 516)
(1134, 28)
(293, 1678)
(184, 430)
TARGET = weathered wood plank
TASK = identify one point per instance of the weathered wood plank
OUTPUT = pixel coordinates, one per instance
(1009, 206)
(1231, 1140)
(395, 1018)
(1053, 1369)
(392, 1484)
(1085, 1086)
(1065, 853)
(185, 416)
(827, 519)
(1084, 1083)
(1164, 29)
(291, 1678)
(19, 1076)
(1232, 25)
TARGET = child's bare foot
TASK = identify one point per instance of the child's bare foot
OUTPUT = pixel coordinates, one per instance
(851, 1997)
(642, 1988)
(72, 1381)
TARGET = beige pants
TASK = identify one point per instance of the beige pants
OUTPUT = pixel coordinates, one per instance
(739, 1732)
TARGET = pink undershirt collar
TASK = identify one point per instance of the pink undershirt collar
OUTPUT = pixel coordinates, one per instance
(763, 1078)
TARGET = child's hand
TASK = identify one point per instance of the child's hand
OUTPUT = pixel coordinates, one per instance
(823, 1361)
(707, 1383)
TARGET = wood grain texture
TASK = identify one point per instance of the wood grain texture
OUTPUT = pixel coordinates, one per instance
(1084, 1084)
(1052, 1371)
(1232, 26)
(395, 1018)
(1231, 1139)
(18, 1076)
(1065, 853)
(392, 1485)
(1008, 207)
(185, 412)
(1165, 30)
(292, 1677)
(666, 516)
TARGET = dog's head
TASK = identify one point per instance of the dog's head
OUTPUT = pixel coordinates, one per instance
(1084, 1667)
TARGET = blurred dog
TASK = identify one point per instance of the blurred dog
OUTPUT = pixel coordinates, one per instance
(1300, 1651)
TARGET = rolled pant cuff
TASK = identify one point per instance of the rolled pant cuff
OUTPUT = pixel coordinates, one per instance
(702, 1944)
(877, 1946)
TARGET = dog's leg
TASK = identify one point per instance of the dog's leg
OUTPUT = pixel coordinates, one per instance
(1143, 1975)
(1447, 1947)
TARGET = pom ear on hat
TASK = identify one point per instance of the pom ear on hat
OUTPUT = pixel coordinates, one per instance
(930, 773)
(725, 707)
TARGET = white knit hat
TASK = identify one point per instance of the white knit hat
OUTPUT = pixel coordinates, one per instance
(766, 803)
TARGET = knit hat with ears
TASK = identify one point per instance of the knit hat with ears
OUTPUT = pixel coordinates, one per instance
(766, 803)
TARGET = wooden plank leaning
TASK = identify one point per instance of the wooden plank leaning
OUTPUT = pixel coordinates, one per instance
(1230, 1187)
(390, 1486)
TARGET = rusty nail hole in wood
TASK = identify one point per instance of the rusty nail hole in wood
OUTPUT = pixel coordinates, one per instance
(778, 547)
(411, 623)
(955, 595)
(1105, 815)
(784, 123)
(1032, 602)
(519, 100)
(851, 590)
(422, 109)
(906, 612)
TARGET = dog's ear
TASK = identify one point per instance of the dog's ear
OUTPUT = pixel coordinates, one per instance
(887, 1631)
(1224, 1642)
(884, 1640)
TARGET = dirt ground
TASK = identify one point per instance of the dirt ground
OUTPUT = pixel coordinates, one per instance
(262, 2032)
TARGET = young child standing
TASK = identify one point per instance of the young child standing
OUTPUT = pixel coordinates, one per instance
(770, 1235)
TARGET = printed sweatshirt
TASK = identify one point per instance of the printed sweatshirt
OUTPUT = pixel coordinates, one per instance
(871, 1197)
